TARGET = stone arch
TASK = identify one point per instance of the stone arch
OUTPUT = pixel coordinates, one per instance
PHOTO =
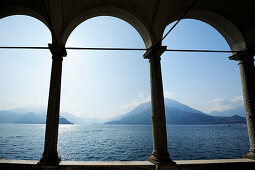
(228, 30)
(109, 11)
(6, 11)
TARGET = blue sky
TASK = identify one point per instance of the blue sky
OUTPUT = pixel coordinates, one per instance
(104, 84)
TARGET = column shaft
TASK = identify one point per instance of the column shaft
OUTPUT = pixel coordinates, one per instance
(248, 84)
(50, 154)
(160, 153)
(247, 73)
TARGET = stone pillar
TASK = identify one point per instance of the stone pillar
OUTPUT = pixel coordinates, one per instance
(247, 72)
(160, 150)
(50, 154)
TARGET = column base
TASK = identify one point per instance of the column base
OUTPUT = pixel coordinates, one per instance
(250, 155)
(161, 161)
(49, 159)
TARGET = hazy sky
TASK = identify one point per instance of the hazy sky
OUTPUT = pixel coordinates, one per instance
(104, 84)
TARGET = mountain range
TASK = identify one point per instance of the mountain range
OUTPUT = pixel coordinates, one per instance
(26, 118)
(38, 115)
(176, 113)
(235, 111)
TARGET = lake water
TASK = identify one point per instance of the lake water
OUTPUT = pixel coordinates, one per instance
(124, 142)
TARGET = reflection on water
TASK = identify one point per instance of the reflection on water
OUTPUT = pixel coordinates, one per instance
(124, 142)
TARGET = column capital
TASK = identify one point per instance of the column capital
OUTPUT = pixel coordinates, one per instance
(154, 52)
(57, 49)
(243, 55)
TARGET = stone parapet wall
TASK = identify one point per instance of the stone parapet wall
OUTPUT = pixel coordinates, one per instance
(236, 164)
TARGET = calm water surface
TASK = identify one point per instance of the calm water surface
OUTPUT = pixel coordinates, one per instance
(124, 142)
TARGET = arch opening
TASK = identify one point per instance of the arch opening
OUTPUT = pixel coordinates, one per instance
(206, 82)
(24, 85)
(104, 84)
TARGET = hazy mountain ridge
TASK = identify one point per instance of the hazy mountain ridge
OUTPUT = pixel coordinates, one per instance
(176, 113)
(13, 115)
(27, 118)
(9, 117)
(231, 112)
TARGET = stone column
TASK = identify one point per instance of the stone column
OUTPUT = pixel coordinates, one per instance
(160, 150)
(50, 154)
(247, 72)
